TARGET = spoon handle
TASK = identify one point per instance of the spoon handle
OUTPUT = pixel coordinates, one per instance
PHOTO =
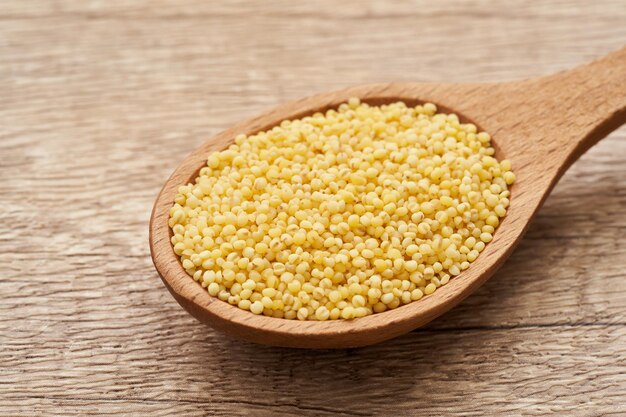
(592, 101)
(547, 123)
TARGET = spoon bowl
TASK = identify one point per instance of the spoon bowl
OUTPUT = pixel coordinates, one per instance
(542, 125)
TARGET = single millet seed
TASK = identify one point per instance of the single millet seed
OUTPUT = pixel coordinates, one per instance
(341, 214)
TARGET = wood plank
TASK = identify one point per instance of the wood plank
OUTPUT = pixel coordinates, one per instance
(572, 9)
(530, 371)
(97, 93)
(81, 154)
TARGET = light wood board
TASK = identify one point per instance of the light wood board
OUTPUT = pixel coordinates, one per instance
(100, 100)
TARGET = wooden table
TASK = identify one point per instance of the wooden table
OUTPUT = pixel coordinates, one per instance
(100, 100)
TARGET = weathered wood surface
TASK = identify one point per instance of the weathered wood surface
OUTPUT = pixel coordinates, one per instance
(100, 100)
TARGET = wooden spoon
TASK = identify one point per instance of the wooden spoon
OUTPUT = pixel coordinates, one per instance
(542, 125)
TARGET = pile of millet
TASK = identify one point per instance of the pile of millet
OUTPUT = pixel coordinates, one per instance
(341, 214)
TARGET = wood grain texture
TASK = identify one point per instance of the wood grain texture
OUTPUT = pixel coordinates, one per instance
(100, 102)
